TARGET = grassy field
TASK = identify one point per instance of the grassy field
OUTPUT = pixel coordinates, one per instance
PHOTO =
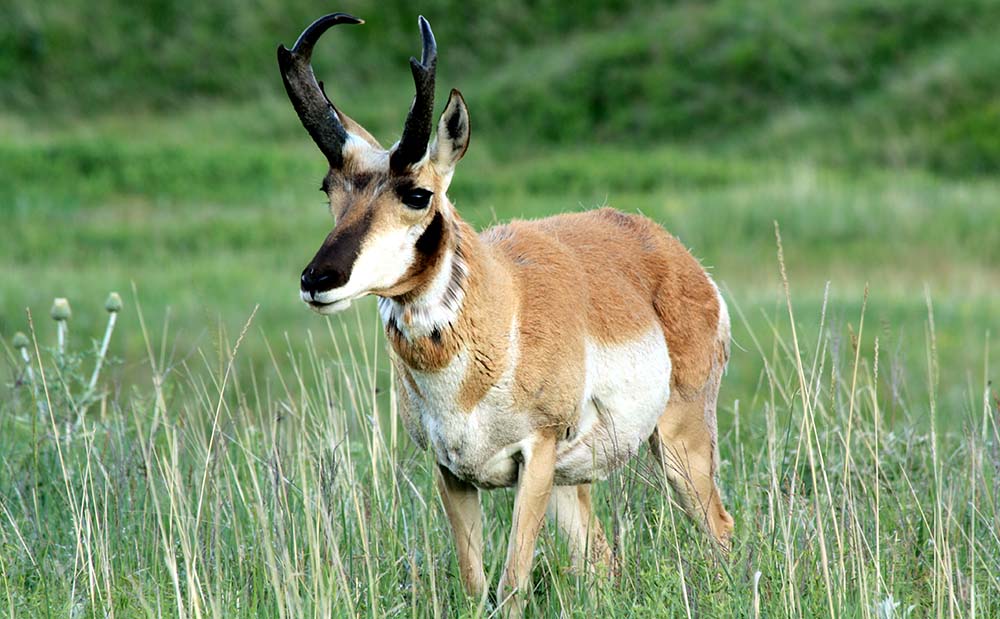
(242, 456)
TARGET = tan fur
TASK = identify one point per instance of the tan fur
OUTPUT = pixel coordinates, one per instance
(604, 275)
(461, 503)
(534, 485)
(685, 447)
(636, 273)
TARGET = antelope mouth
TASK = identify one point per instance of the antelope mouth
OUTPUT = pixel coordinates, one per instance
(329, 308)
(323, 306)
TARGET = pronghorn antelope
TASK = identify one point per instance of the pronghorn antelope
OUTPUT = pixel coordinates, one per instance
(537, 354)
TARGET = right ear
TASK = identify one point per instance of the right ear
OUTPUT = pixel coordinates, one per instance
(354, 128)
(452, 135)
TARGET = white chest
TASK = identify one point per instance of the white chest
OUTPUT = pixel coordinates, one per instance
(478, 445)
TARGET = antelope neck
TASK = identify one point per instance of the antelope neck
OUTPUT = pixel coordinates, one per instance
(434, 305)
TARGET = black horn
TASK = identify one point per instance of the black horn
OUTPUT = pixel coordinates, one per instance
(317, 114)
(417, 130)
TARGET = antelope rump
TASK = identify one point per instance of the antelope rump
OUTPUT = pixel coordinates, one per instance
(536, 354)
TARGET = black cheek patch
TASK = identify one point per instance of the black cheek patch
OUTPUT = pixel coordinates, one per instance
(430, 239)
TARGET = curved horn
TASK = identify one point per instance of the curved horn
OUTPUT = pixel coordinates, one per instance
(417, 130)
(317, 114)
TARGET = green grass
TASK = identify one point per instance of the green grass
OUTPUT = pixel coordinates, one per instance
(217, 490)
(285, 487)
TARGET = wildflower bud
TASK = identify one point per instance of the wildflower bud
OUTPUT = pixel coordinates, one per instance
(20, 340)
(60, 310)
(114, 303)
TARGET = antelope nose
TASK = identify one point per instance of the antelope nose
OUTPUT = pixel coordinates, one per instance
(314, 281)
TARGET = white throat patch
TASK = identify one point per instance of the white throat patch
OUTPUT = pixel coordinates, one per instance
(437, 307)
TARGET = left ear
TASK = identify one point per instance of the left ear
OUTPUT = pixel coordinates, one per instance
(452, 135)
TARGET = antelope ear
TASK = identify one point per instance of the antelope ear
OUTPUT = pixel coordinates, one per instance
(452, 135)
(352, 126)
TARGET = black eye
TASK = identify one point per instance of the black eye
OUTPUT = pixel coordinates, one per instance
(417, 198)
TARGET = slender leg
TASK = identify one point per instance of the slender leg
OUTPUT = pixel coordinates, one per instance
(685, 445)
(570, 507)
(461, 503)
(534, 485)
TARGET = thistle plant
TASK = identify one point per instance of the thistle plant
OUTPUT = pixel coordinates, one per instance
(68, 364)
(21, 343)
(113, 305)
(61, 313)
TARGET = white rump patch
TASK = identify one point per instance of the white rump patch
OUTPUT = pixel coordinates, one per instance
(725, 327)
(724, 333)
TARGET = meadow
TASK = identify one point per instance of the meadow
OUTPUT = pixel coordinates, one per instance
(243, 457)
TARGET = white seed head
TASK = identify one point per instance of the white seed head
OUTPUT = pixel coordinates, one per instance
(20, 340)
(60, 310)
(114, 303)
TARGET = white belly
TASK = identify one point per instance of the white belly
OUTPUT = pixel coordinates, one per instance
(625, 392)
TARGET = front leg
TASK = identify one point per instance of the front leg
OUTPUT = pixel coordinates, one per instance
(534, 485)
(461, 503)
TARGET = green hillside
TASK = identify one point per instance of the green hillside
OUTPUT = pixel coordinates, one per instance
(903, 82)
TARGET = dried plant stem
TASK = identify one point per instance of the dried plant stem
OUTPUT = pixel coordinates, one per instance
(61, 335)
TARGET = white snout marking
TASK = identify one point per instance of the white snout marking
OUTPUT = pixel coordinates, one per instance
(324, 308)
(383, 261)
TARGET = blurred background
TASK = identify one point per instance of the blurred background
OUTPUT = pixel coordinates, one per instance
(151, 143)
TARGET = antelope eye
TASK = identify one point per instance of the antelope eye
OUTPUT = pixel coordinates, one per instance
(417, 198)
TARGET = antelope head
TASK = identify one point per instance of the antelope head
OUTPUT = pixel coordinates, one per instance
(391, 215)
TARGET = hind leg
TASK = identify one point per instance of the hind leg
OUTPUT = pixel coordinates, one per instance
(570, 507)
(684, 444)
